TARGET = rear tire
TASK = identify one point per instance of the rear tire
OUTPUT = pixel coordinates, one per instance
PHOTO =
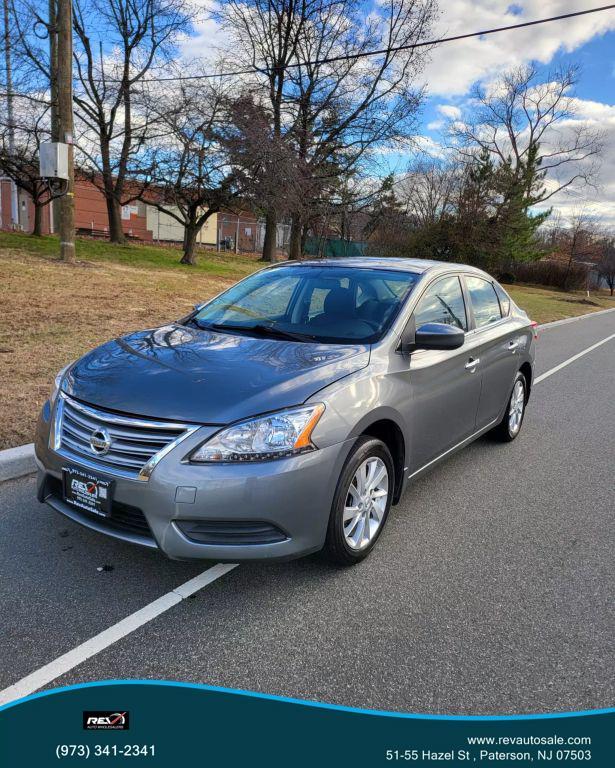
(508, 429)
(361, 503)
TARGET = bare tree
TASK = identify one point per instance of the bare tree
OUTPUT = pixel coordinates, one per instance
(19, 153)
(187, 173)
(344, 104)
(606, 264)
(265, 35)
(330, 101)
(430, 190)
(523, 112)
(118, 43)
(264, 164)
(577, 241)
(24, 111)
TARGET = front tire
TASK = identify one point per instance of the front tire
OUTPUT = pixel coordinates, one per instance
(361, 503)
(510, 426)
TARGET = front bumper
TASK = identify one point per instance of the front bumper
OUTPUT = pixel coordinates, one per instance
(292, 496)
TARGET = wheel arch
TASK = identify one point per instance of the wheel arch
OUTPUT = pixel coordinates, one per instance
(390, 433)
(526, 370)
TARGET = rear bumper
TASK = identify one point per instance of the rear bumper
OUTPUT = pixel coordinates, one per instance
(285, 503)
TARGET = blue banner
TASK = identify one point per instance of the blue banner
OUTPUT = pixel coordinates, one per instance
(174, 724)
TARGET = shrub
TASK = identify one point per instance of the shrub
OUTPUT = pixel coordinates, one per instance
(547, 272)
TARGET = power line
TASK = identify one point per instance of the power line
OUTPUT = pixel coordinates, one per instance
(380, 51)
(358, 55)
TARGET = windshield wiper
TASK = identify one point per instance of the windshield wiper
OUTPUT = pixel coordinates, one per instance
(193, 321)
(263, 330)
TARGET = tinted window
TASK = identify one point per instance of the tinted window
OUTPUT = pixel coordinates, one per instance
(442, 303)
(325, 304)
(504, 299)
(484, 301)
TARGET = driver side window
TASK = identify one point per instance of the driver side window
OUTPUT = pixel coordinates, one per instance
(442, 302)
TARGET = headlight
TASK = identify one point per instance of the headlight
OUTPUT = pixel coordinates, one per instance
(268, 437)
(57, 383)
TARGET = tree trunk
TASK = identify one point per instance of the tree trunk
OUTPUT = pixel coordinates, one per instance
(270, 244)
(296, 240)
(114, 212)
(304, 236)
(38, 219)
(190, 233)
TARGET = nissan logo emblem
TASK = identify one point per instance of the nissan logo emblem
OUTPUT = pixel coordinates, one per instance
(100, 441)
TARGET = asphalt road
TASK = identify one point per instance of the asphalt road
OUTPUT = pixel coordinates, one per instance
(491, 589)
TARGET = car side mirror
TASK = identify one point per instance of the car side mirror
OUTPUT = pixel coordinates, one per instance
(438, 336)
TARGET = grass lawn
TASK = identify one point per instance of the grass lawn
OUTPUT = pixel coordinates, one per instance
(51, 312)
(547, 304)
(159, 257)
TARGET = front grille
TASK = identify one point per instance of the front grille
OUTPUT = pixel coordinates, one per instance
(135, 443)
(231, 532)
(123, 518)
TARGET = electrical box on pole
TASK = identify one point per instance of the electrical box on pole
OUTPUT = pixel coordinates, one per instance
(54, 160)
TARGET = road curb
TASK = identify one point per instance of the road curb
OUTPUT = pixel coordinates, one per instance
(574, 319)
(17, 462)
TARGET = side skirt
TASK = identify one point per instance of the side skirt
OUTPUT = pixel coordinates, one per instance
(474, 436)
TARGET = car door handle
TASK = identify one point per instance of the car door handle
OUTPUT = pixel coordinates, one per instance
(472, 363)
(512, 345)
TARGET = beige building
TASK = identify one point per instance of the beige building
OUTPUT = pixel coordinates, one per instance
(167, 229)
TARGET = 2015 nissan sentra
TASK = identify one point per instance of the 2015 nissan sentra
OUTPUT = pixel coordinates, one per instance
(287, 414)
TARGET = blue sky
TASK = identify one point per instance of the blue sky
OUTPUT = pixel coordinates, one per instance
(588, 41)
(597, 59)
(597, 80)
(454, 68)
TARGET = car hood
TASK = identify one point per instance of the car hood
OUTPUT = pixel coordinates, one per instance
(205, 377)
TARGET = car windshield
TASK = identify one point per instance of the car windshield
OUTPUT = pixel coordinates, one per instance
(338, 305)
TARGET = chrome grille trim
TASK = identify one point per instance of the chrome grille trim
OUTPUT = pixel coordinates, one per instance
(138, 444)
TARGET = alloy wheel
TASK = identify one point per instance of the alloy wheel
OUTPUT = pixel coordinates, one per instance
(517, 404)
(366, 502)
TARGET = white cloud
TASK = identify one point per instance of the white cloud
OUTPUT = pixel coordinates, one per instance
(598, 202)
(429, 146)
(456, 66)
(208, 38)
(449, 110)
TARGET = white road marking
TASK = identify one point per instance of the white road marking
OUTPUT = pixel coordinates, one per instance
(107, 637)
(559, 367)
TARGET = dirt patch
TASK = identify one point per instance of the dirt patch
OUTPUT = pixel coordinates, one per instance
(587, 302)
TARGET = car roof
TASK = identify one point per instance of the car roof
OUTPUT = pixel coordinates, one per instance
(417, 266)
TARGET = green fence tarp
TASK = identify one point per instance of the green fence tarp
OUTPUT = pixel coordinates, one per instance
(332, 247)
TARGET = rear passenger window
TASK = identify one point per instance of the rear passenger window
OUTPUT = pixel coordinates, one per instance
(442, 302)
(504, 300)
(484, 301)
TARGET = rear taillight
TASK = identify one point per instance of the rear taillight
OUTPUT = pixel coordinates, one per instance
(534, 327)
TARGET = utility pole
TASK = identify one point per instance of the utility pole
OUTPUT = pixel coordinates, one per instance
(9, 108)
(53, 90)
(64, 22)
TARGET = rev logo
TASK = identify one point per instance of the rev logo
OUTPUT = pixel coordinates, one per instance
(106, 721)
(78, 486)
